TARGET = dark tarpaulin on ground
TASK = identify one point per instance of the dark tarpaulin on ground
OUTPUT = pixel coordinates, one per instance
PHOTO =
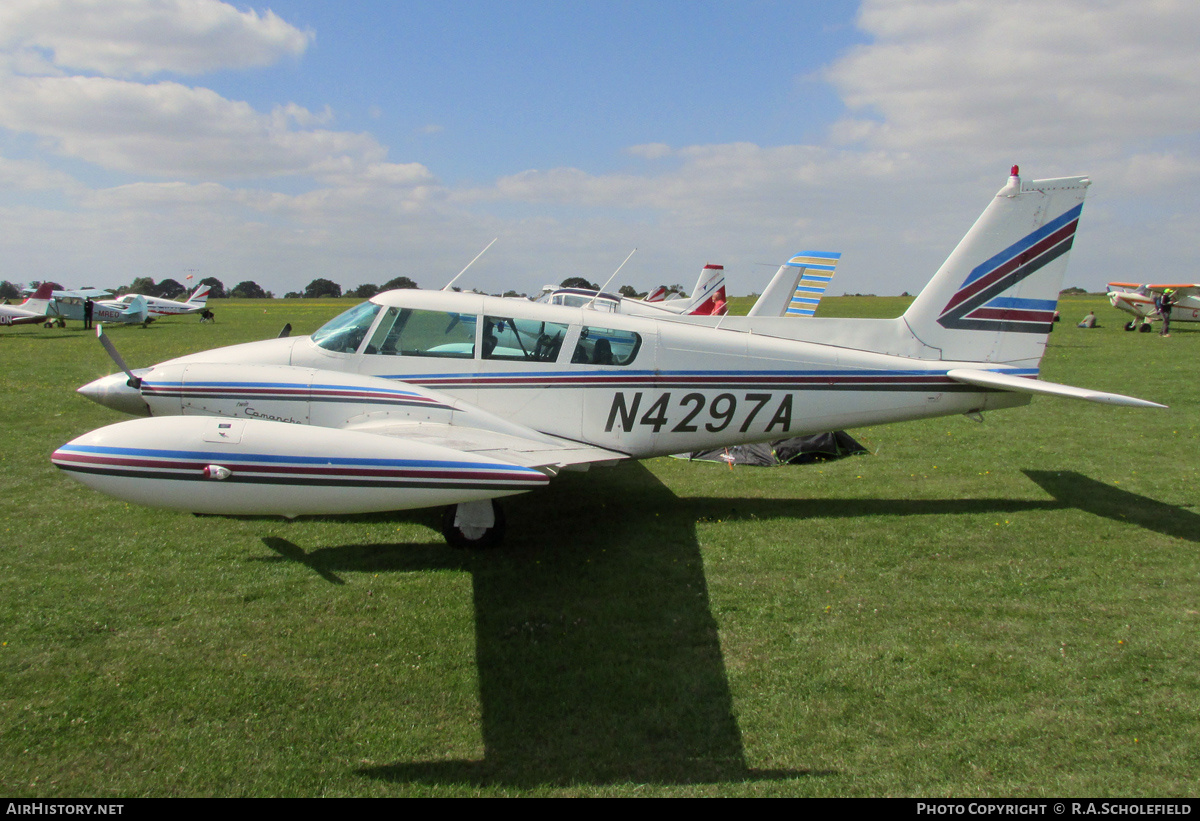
(799, 450)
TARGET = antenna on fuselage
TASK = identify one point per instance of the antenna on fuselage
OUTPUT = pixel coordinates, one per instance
(469, 264)
(610, 279)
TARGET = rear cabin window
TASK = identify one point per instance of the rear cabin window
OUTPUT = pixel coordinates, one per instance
(606, 346)
(409, 332)
(522, 340)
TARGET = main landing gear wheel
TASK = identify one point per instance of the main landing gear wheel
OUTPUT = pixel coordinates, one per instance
(1131, 326)
(1144, 328)
(475, 525)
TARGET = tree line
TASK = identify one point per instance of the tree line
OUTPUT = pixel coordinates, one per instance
(317, 289)
(247, 289)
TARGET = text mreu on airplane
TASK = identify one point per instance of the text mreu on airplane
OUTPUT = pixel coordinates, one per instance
(436, 398)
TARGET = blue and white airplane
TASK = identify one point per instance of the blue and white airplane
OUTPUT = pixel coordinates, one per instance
(72, 305)
(398, 403)
(798, 285)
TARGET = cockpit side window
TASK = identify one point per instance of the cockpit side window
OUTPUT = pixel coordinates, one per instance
(525, 340)
(606, 346)
(346, 331)
(409, 332)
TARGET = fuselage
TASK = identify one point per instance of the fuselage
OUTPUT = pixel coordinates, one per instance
(156, 306)
(72, 307)
(625, 383)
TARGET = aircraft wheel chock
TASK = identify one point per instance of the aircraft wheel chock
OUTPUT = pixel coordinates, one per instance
(473, 525)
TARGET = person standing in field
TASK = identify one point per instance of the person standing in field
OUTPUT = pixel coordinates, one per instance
(1165, 303)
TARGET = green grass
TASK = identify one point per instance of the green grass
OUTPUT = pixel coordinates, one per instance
(1007, 609)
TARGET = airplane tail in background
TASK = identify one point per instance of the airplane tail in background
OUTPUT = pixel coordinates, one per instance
(709, 299)
(798, 285)
(657, 295)
(994, 298)
(138, 310)
(199, 297)
(42, 294)
(39, 300)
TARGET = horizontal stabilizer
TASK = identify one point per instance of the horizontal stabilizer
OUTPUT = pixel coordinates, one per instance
(1021, 384)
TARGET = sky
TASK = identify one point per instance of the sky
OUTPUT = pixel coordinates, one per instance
(293, 140)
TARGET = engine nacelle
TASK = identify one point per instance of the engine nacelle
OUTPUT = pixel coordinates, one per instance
(251, 466)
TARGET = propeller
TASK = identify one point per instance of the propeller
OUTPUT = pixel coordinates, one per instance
(134, 381)
(287, 331)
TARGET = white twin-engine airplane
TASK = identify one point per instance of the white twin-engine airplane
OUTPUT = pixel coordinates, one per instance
(157, 306)
(428, 398)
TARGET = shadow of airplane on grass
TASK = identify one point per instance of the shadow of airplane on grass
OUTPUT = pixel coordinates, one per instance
(598, 657)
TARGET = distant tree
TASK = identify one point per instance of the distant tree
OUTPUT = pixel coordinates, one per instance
(631, 292)
(322, 288)
(365, 291)
(169, 289)
(579, 282)
(293, 295)
(1073, 291)
(9, 291)
(676, 290)
(514, 294)
(217, 288)
(248, 290)
(56, 286)
(143, 285)
(399, 282)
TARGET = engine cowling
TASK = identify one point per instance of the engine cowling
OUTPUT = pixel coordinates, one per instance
(253, 466)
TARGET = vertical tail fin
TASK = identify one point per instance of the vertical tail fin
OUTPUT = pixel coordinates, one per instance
(798, 285)
(43, 293)
(200, 295)
(709, 297)
(993, 300)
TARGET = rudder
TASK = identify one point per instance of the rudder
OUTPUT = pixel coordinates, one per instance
(994, 298)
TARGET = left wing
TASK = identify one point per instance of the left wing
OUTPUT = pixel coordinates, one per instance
(538, 450)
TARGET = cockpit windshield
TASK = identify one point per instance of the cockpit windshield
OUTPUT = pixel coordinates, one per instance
(346, 331)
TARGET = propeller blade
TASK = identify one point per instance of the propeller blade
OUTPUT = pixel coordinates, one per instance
(134, 381)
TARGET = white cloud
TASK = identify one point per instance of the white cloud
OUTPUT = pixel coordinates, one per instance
(974, 74)
(170, 129)
(126, 38)
(650, 151)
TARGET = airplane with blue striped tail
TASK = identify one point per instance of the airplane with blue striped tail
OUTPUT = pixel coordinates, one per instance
(404, 401)
(798, 285)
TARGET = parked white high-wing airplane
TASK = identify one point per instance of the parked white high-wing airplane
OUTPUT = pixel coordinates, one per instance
(72, 305)
(400, 403)
(1138, 299)
(157, 306)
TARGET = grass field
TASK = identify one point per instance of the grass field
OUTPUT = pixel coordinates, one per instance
(1001, 609)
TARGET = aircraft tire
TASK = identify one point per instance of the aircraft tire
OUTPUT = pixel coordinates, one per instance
(490, 538)
(1131, 326)
(1144, 328)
